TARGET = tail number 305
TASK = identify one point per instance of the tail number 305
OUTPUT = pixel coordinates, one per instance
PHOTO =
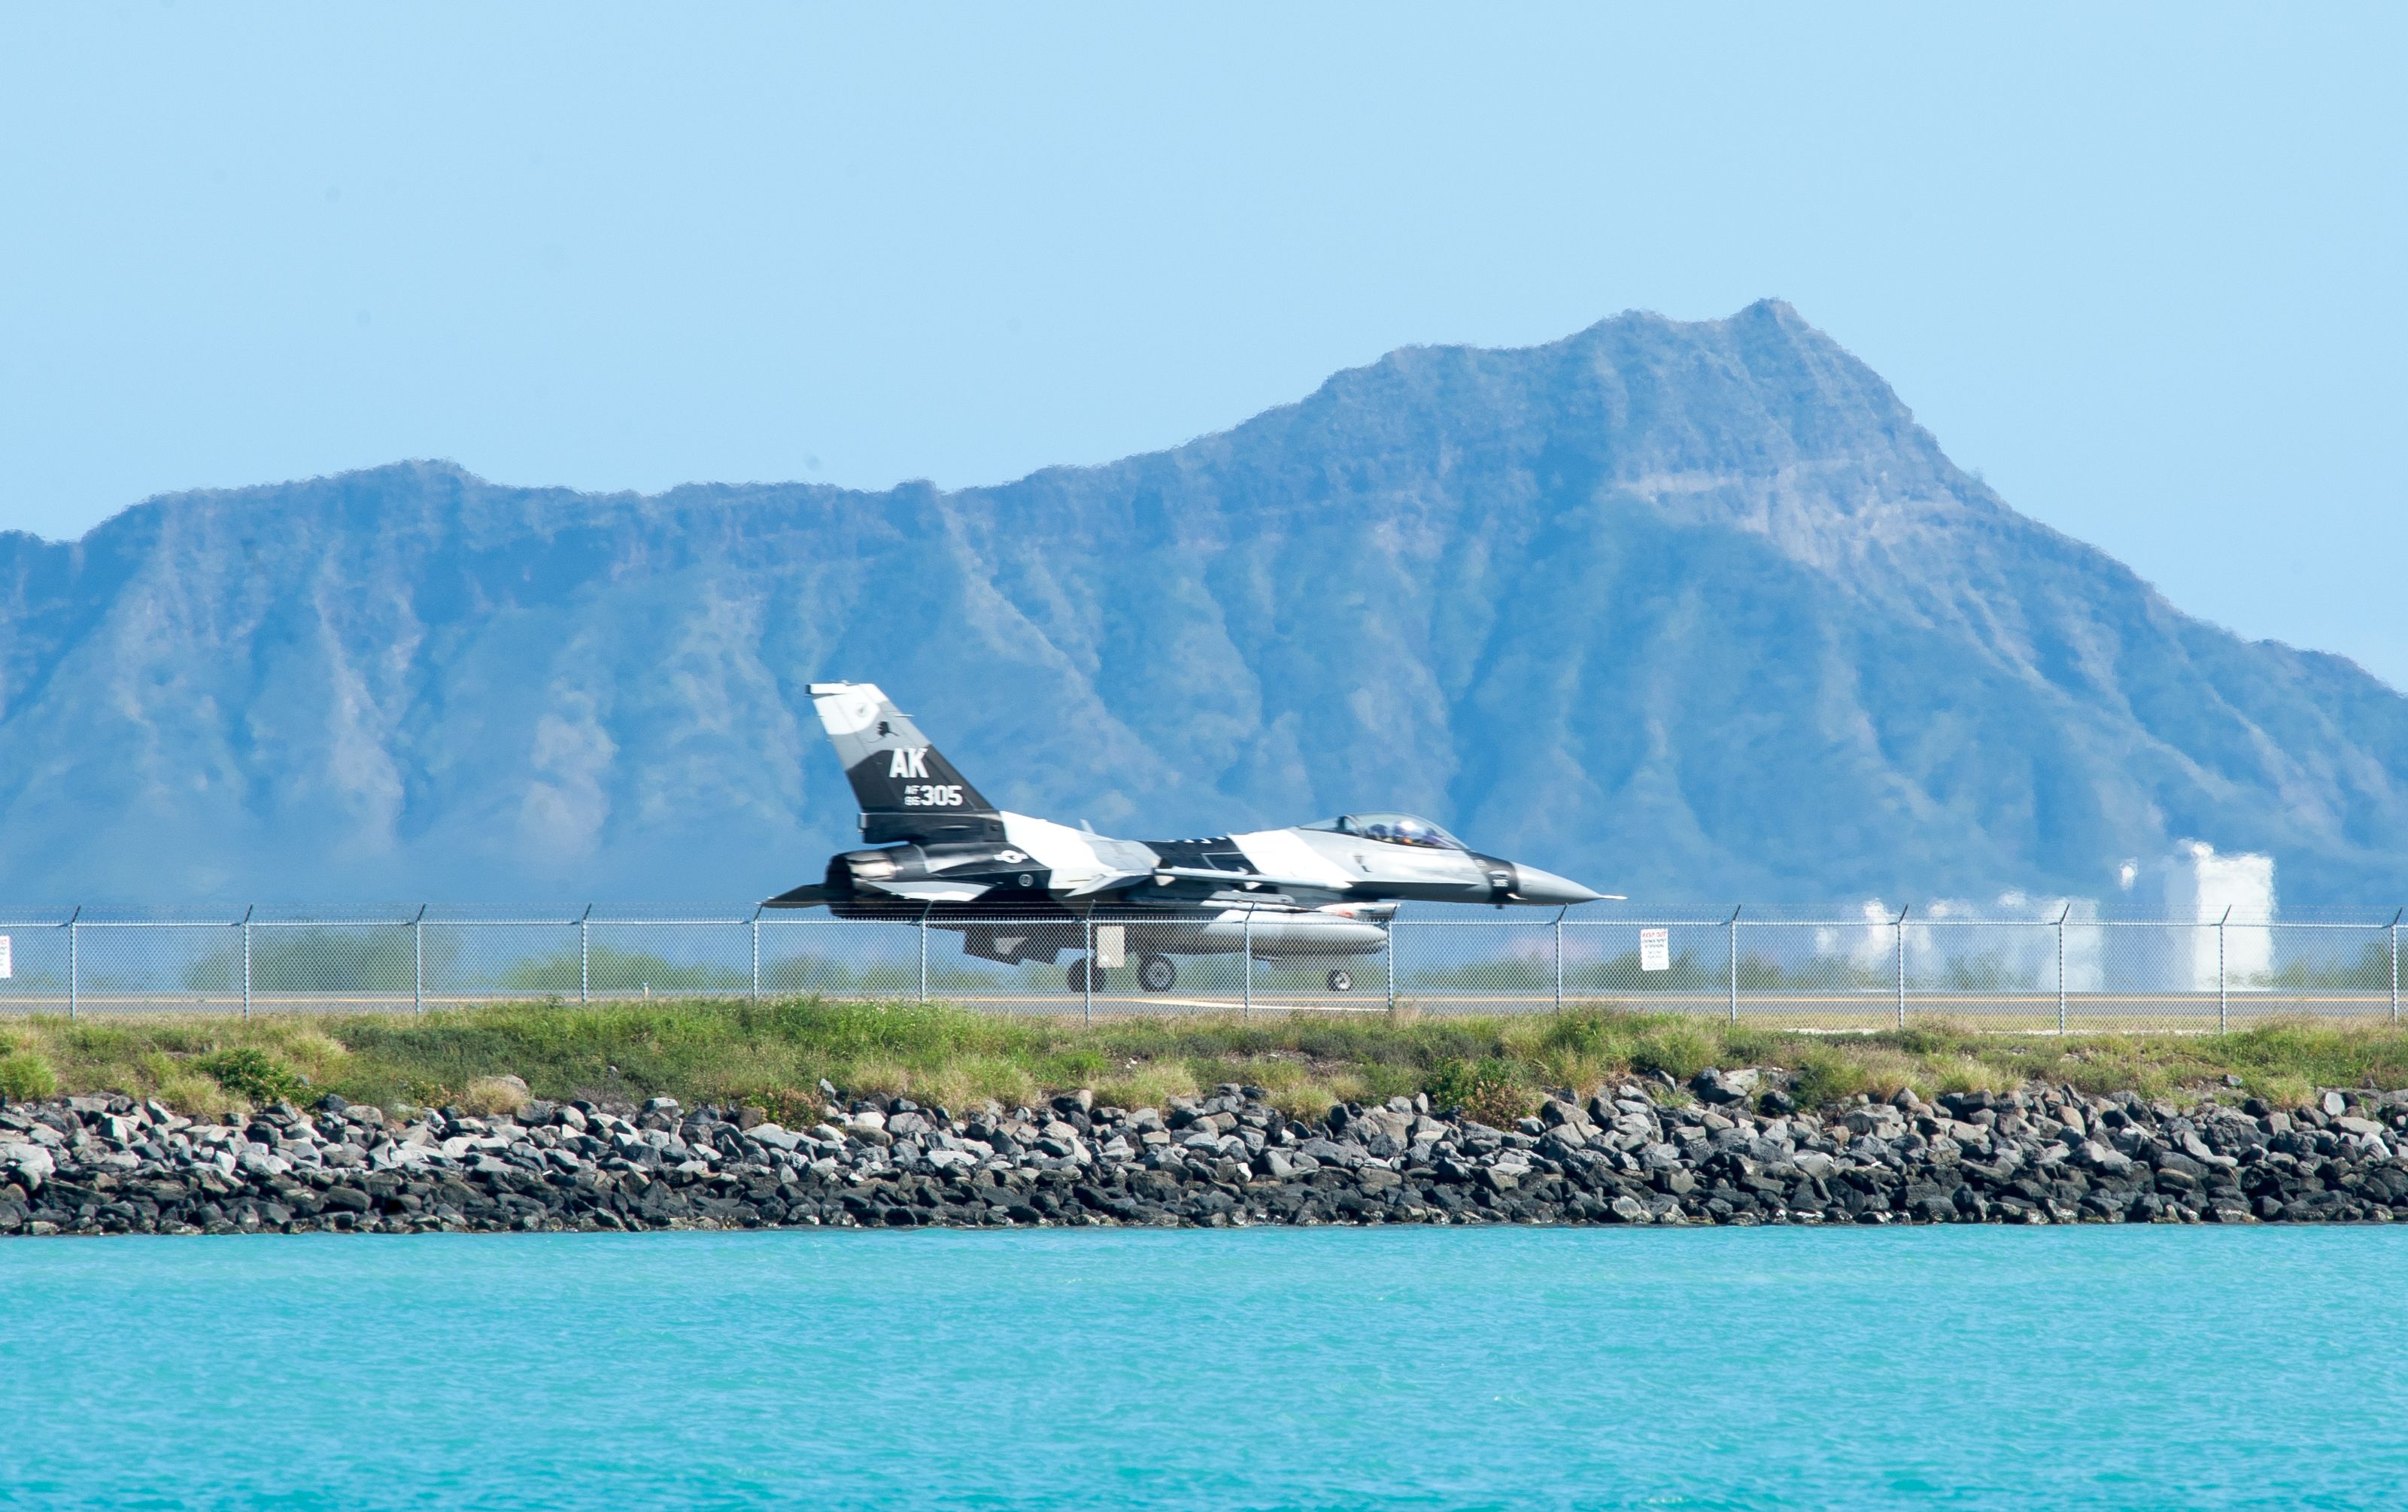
(932, 795)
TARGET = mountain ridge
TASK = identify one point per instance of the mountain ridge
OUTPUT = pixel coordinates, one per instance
(1687, 609)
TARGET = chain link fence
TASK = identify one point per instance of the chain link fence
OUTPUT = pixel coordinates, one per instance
(1839, 972)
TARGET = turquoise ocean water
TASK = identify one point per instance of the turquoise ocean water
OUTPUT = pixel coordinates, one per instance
(2107, 1367)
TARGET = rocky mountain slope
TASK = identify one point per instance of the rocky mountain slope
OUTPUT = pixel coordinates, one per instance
(1685, 610)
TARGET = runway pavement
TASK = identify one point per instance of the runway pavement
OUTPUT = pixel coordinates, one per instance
(1837, 1011)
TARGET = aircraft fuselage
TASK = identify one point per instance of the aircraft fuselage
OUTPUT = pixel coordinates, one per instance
(1019, 888)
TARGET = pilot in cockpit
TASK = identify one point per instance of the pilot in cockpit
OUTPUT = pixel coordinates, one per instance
(1393, 829)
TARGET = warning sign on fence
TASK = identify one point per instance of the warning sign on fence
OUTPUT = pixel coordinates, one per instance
(8, 966)
(1654, 949)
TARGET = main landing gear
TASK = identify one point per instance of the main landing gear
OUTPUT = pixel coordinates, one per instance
(1155, 974)
(1082, 970)
(1341, 981)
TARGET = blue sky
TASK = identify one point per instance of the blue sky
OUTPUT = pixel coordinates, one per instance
(2139, 266)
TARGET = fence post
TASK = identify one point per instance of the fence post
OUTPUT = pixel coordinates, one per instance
(1246, 1006)
(417, 963)
(584, 970)
(1087, 977)
(923, 953)
(2395, 964)
(2061, 966)
(2223, 999)
(1732, 926)
(72, 960)
(1901, 927)
(246, 961)
(757, 957)
(1396, 922)
(1559, 959)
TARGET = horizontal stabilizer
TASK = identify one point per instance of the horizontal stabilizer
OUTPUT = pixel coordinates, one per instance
(931, 890)
(801, 897)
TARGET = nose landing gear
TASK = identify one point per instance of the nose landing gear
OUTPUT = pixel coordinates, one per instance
(1081, 971)
(1155, 974)
(1341, 981)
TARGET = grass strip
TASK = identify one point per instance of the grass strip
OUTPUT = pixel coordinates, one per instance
(774, 1055)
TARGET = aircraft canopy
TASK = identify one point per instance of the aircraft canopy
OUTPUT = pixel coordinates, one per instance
(1392, 828)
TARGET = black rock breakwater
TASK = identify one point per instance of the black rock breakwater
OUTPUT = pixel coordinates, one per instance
(1628, 1155)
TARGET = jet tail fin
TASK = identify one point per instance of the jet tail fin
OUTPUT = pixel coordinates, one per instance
(906, 788)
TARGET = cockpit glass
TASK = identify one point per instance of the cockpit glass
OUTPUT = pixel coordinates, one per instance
(1392, 828)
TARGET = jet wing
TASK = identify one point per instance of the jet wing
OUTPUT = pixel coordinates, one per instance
(1247, 879)
(1109, 882)
(1124, 881)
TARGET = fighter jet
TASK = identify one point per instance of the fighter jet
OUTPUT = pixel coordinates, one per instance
(1019, 889)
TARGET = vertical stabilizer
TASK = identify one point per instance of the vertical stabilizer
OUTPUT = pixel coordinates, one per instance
(906, 788)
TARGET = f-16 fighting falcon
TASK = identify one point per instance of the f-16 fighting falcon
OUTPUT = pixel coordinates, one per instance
(1020, 889)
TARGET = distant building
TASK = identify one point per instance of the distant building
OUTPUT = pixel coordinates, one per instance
(2197, 886)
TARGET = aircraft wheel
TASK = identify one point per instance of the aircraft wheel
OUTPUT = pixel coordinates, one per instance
(1155, 974)
(1341, 981)
(1081, 970)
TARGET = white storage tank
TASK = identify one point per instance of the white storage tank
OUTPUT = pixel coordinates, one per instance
(2198, 885)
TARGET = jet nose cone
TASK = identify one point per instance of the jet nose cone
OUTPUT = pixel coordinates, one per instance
(1532, 885)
